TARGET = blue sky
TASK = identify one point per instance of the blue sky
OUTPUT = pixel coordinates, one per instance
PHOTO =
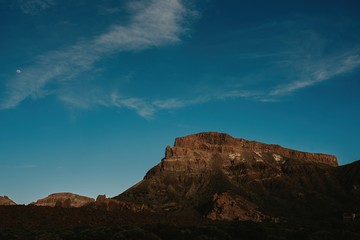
(92, 92)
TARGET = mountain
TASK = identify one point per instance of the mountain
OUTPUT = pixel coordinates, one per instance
(6, 201)
(208, 186)
(63, 200)
(224, 178)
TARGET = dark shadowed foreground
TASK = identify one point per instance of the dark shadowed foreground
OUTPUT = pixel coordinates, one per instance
(30, 222)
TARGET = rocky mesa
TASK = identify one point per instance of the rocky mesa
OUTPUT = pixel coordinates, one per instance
(225, 178)
(221, 143)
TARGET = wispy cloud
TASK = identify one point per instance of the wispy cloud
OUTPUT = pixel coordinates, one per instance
(320, 72)
(233, 94)
(32, 7)
(147, 108)
(297, 54)
(141, 106)
(153, 23)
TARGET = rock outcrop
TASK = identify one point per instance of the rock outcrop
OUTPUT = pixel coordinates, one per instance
(225, 207)
(63, 200)
(110, 204)
(244, 173)
(6, 201)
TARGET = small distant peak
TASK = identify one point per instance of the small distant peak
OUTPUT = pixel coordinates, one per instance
(6, 201)
(63, 199)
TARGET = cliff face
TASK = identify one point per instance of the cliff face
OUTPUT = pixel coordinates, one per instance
(221, 143)
(213, 151)
(63, 200)
(6, 201)
(201, 166)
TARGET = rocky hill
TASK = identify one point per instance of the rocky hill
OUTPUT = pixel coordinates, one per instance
(224, 178)
(6, 201)
(63, 200)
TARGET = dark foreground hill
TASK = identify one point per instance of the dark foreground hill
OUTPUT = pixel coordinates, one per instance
(210, 186)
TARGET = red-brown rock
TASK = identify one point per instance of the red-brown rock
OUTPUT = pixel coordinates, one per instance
(63, 200)
(237, 170)
(225, 207)
(6, 201)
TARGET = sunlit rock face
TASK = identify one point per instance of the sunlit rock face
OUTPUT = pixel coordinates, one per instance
(209, 143)
(251, 180)
(63, 200)
(6, 201)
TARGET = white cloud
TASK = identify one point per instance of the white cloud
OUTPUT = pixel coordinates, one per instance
(304, 58)
(32, 7)
(320, 72)
(153, 23)
(291, 55)
(147, 108)
(156, 23)
(18, 71)
(141, 106)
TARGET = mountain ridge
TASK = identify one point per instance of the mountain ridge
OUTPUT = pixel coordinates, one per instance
(204, 141)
